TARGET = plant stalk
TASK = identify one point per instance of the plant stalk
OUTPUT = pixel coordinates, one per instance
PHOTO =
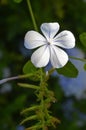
(32, 15)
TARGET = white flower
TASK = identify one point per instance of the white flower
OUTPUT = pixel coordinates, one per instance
(49, 45)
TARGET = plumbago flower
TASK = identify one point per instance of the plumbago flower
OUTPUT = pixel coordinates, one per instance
(49, 45)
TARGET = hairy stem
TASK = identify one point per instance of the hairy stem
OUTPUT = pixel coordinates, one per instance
(42, 101)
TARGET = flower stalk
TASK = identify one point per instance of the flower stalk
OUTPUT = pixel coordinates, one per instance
(32, 15)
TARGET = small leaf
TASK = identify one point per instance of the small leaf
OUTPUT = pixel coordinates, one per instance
(69, 70)
(29, 68)
(85, 67)
(83, 38)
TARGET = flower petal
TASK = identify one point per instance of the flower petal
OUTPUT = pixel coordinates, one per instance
(49, 29)
(58, 57)
(65, 39)
(40, 57)
(34, 39)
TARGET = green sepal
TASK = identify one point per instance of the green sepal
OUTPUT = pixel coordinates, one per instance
(35, 127)
(83, 38)
(24, 85)
(85, 67)
(32, 108)
(69, 70)
(33, 117)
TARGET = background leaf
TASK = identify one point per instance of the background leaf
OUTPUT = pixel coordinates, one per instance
(68, 70)
(83, 38)
(17, 1)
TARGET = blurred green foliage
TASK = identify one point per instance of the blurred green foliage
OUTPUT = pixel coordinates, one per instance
(15, 21)
(83, 39)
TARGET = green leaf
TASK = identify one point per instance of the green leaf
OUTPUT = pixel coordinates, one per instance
(85, 67)
(29, 68)
(69, 70)
(83, 38)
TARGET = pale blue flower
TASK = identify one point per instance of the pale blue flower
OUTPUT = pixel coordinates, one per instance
(49, 45)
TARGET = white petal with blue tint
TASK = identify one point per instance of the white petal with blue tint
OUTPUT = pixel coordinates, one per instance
(49, 29)
(40, 57)
(34, 39)
(65, 39)
(49, 45)
(58, 57)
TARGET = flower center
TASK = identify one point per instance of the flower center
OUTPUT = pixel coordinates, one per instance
(49, 41)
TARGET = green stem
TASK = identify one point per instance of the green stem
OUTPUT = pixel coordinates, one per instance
(42, 100)
(32, 15)
(43, 91)
(75, 58)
